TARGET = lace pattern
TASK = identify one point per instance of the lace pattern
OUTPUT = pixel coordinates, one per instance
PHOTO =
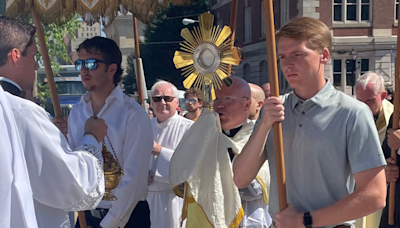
(93, 199)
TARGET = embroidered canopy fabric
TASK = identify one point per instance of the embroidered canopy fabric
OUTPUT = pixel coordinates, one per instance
(61, 11)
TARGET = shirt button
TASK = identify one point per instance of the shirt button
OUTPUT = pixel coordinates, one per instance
(303, 113)
(300, 125)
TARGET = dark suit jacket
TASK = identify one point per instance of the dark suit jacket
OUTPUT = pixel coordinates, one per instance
(385, 212)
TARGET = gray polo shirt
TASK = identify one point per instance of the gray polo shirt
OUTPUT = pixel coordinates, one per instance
(326, 139)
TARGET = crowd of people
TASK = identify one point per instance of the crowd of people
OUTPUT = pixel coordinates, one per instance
(205, 168)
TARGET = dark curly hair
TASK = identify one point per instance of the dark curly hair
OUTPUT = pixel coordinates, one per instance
(193, 92)
(109, 51)
(14, 34)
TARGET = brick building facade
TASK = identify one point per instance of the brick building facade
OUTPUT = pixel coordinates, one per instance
(364, 36)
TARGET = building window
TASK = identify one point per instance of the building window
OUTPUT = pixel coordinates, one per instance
(95, 34)
(349, 68)
(90, 28)
(247, 24)
(87, 34)
(264, 72)
(364, 66)
(337, 72)
(220, 21)
(94, 29)
(396, 11)
(91, 34)
(246, 72)
(351, 10)
(262, 20)
(284, 12)
(83, 29)
(87, 28)
(82, 34)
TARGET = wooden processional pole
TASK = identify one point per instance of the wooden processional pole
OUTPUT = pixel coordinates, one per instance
(392, 188)
(233, 19)
(47, 65)
(138, 65)
(273, 76)
(52, 84)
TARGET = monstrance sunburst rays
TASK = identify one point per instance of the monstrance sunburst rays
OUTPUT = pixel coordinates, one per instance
(206, 55)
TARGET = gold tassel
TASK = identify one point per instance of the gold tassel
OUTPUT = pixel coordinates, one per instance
(60, 12)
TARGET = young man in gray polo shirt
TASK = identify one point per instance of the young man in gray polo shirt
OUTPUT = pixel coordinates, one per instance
(330, 140)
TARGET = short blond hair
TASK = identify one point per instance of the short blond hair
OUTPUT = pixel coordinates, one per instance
(316, 34)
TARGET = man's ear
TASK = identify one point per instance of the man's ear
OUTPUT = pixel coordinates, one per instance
(259, 105)
(14, 55)
(325, 56)
(247, 105)
(112, 69)
(201, 103)
(384, 95)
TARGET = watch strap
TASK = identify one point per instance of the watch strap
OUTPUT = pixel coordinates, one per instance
(307, 220)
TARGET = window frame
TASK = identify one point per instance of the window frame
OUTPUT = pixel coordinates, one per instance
(358, 22)
(284, 12)
(247, 24)
(396, 6)
(343, 69)
(263, 34)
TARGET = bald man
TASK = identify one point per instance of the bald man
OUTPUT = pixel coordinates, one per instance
(267, 89)
(233, 104)
(257, 101)
(203, 161)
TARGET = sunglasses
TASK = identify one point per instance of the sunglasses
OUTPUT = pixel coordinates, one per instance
(190, 100)
(90, 64)
(165, 98)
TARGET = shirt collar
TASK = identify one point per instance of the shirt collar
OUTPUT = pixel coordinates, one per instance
(10, 81)
(232, 132)
(116, 93)
(319, 99)
(166, 122)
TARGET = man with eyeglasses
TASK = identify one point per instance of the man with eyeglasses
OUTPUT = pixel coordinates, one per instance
(193, 103)
(61, 179)
(168, 130)
(204, 159)
(128, 138)
(233, 105)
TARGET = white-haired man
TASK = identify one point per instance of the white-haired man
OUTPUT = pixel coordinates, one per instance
(370, 89)
(168, 130)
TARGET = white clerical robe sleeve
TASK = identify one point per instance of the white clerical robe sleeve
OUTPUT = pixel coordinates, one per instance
(132, 187)
(60, 178)
(162, 170)
(15, 190)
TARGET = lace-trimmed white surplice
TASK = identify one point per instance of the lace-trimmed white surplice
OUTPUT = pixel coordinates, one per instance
(15, 190)
(61, 179)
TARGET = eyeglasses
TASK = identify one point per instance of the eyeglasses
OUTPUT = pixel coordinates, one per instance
(165, 98)
(190, 100)
(90, 64)
(227, 100)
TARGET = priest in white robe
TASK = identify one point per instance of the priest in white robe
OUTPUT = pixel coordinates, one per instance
(168, 130)
(61, 179)
(15, 190)
(211, 197)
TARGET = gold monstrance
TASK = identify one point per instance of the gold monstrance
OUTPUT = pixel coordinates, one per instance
(206, 57)
(112, 172)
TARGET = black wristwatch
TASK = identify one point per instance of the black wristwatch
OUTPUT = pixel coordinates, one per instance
(307, 220)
